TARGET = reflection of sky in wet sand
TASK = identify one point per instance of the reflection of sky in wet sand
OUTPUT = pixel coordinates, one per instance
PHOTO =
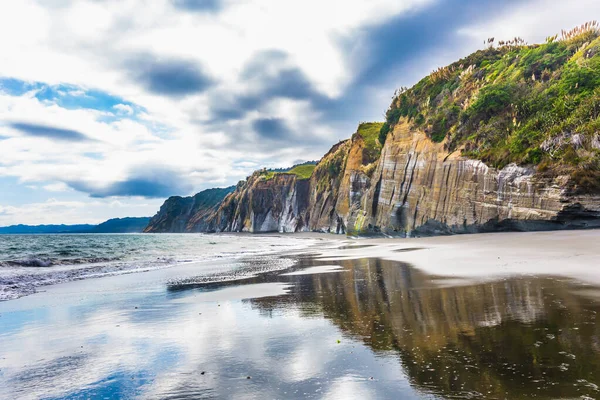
(401, 334)
(160, 350)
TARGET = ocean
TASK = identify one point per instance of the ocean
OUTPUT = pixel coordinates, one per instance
(29, 262)
(498, 316)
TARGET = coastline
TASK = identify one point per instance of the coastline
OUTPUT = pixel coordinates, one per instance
(566, 253)
(352, 318)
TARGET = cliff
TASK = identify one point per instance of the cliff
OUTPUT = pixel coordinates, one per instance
(504, 139)
(265, 202)
(188, 214)
(421, 188)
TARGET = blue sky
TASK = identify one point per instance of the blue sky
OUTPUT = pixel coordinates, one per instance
(109, 106)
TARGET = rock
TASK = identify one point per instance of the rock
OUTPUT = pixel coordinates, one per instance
(421, 189)
(416, 187)
(188, 214)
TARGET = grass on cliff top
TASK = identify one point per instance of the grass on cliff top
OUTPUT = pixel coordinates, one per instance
(528, 104)
(369, 131)
(303, 171)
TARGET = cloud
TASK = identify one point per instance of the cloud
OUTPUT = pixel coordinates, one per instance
(271, 128)
(533, 20)
(123, 108)
(81, 210)
(170, 77)
(150, 182)
(56, 187)
(144, 187)
(268, 75)
(197, 5)
(426, 31)
(49, 132)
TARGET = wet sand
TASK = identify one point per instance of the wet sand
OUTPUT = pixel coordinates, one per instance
(478, 316)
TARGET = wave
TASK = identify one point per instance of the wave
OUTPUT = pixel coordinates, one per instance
(49, 262)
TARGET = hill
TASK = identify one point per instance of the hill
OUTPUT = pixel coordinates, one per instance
(115, 225)
(516, 103)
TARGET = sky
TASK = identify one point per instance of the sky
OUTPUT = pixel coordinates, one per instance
(107, 107)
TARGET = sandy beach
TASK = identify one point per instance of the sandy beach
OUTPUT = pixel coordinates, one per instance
(343, 318)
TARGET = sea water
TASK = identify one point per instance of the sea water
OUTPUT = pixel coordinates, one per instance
(28, 262)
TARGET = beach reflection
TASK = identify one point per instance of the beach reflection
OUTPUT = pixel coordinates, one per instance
(515, 338)
(374, 329)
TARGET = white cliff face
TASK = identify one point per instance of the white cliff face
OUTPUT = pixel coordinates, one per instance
(259, 205)
(291, 219)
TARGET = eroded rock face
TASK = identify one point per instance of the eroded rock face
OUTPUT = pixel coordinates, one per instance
(324, 190)
(188, 214)
(415, 188)
(421, 189)
(277, 204)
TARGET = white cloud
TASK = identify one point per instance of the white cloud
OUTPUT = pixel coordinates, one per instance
(57, 187)
(124, 108)
(89, 45)
(83, 211)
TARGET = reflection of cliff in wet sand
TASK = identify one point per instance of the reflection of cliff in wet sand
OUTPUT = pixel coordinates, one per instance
(509, 339)
(461, 317)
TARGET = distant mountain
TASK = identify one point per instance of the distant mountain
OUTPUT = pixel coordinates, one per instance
(18, 229)
(122, 225)
(115, 225)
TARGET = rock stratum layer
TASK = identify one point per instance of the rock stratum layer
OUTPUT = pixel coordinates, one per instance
(419, 188)
(507, 138)
(415, 187)
(188, 214)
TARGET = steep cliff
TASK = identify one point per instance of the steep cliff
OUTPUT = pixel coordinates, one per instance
(507, 138)
(421, 188)
(188, 214)
(341, 181)
(265, 202)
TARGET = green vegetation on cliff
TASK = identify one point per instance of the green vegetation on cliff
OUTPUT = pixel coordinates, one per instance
(513, 102)
(330, 169)
(302, 171)
(369, 131)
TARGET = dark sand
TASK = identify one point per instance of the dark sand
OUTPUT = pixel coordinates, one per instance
(503, 316)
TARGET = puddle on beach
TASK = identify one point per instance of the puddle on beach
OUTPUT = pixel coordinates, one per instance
(380, 329)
